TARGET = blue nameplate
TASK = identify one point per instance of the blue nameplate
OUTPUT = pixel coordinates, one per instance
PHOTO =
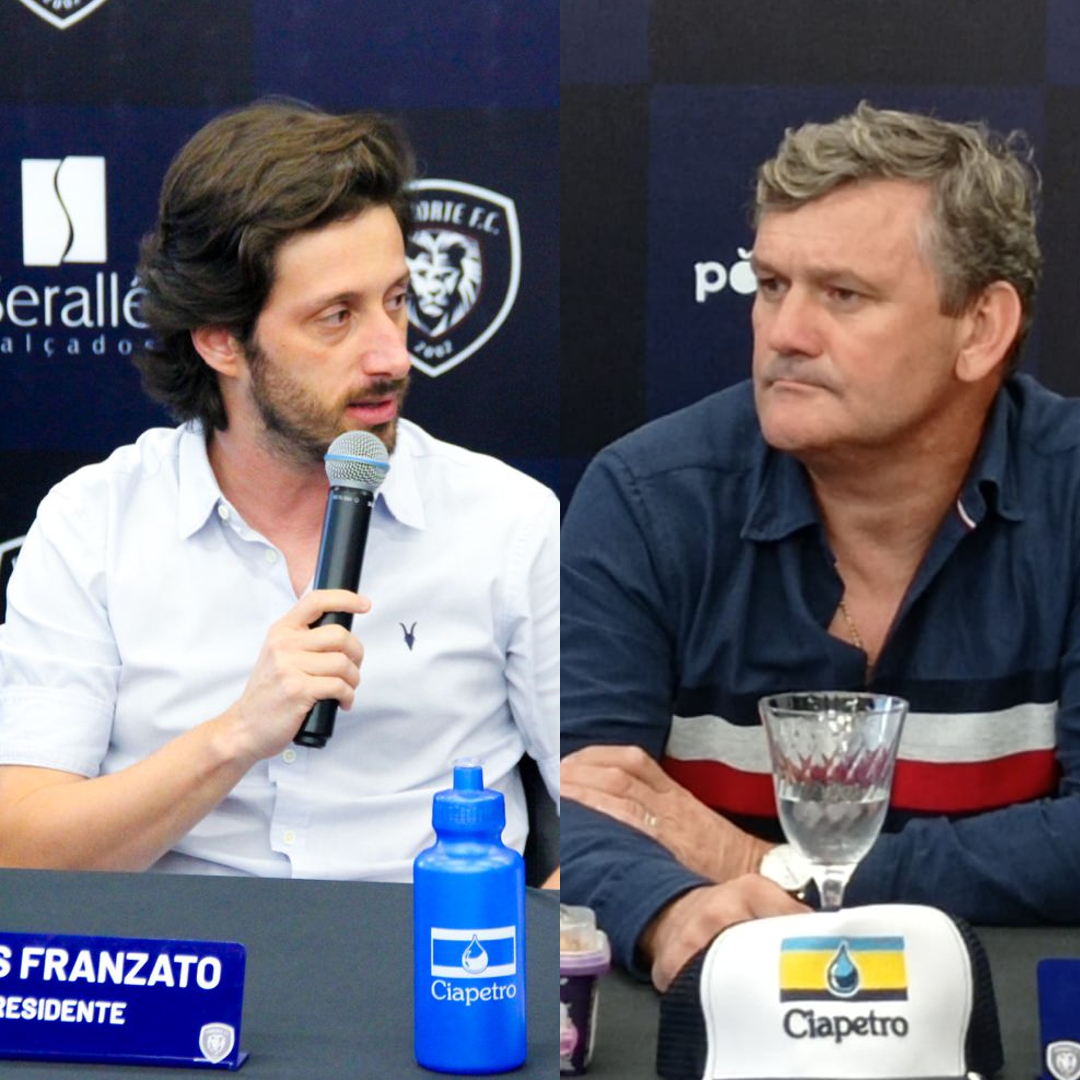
(1059, 1018)
(130, 1000)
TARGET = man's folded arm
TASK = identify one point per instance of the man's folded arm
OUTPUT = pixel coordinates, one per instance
(1016, 866)
(623, 875)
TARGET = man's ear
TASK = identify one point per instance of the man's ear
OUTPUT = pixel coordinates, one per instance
(993, 322)
(219, 348)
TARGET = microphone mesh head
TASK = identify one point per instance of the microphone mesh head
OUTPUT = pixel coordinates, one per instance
(357, 459)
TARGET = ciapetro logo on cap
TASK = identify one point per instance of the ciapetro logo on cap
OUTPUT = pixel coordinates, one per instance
(843, 969)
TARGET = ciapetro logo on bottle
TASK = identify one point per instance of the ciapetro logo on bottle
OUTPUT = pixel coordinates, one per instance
(466, 956)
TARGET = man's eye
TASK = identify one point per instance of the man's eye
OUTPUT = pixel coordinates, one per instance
(395, 301)
(335, 318)
(844, 296)
(768, 286)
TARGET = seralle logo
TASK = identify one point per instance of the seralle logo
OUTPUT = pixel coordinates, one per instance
(464, 257)
(71, 300)
(63, 204)
(62, 13)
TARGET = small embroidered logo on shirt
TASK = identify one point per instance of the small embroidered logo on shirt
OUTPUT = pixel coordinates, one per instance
(410, 634)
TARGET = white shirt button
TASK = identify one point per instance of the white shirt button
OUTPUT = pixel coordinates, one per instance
(289, 837)
(223, 512)
(271, 555)
(289, 756)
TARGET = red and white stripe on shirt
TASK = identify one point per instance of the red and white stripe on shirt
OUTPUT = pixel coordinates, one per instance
(948, 763)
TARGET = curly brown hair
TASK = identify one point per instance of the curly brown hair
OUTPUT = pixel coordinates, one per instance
(243, 185)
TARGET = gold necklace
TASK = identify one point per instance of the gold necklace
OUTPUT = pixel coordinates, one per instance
(853, 630)
(857, 639)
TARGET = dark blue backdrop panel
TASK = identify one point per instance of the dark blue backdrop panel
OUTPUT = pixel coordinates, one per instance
(1057, 318)
(706, 144)
(1063, 42)
(503, 399)
(604, 148)
(128, 52)
(847, 42)
(605, 41)
(411, 53)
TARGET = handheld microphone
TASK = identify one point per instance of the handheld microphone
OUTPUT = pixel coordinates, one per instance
(356, 463)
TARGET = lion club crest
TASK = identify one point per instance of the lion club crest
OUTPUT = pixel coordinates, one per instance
(464, 256)
(1063, 1060)
(216, 1041)
(62, 13)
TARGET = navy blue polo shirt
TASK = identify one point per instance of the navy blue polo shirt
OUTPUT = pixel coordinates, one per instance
(697, 577)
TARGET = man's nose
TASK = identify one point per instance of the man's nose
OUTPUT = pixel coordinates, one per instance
(385, 352)
(791, 325)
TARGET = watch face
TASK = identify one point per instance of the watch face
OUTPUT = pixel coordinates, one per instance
(786, 867)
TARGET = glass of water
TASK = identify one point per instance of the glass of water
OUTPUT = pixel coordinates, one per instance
(833, 754)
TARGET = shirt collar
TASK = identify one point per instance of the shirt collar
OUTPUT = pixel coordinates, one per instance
(991, 483)
(200, 493)
(400, 491)
(784, 502)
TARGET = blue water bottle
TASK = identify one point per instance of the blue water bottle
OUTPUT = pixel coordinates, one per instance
(469, 935)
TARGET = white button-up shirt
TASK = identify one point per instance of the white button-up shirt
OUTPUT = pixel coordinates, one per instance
(141, 600)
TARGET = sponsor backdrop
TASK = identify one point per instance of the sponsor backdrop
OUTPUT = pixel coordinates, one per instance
(98, 95)
(667, 108)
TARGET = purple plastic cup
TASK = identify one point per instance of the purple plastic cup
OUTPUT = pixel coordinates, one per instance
(584, 955)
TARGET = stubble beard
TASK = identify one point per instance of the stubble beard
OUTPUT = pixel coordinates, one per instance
(297, 427)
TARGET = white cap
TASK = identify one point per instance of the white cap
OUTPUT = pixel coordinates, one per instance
(872, 993)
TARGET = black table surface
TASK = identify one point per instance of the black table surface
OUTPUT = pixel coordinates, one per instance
(629, 1012)
(328, 988)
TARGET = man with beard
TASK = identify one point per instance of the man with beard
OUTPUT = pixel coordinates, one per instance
(159, 654)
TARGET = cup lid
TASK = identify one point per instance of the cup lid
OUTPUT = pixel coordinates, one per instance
(583, 946)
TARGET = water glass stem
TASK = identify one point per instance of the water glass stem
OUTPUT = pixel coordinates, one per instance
(831, 882)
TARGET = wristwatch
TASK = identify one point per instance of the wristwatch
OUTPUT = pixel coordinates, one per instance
(788, 869)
